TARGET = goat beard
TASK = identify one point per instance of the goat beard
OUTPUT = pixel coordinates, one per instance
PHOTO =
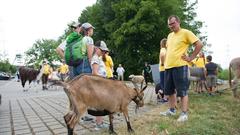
(136, 109)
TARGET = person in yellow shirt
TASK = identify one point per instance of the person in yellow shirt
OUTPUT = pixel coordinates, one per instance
(63, 70)
(162, 55)
(176, 66)
(46, 71)
(200, 62)
(107, 59)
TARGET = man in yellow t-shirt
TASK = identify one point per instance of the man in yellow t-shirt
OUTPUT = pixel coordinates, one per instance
(63, 70)
(176, 69)
(46, 71)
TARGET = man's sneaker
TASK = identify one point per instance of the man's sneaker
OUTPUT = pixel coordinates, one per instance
(164, 100)
(183, 117)
(85, 118)
(168, 112)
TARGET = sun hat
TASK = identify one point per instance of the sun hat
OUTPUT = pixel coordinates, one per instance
(75, 24)
(102, 46)
(87, 26)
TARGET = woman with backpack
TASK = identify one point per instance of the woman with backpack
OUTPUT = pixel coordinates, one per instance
(86, 50)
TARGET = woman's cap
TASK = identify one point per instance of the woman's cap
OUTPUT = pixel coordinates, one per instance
(87, 26)
(102, 46)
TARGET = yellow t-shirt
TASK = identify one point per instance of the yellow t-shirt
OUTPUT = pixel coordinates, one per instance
(190, 64)
(63, 69)
(177, 45)
(162, 53)
(46, 69)
(109, 65)
(199, 62)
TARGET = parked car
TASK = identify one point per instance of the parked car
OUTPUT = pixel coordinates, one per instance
(220, 82)
(4, 76)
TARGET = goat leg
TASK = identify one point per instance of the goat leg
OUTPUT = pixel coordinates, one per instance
(70, 130)
(111, 130)
(130, 130)
(125, 113)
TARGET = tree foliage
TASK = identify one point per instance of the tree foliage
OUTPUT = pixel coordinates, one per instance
(42, 49)
(133, 29)
(5, 66)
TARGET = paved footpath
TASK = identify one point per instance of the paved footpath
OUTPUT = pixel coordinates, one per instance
(38, 112)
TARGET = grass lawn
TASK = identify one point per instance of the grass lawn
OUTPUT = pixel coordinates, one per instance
(208, 115)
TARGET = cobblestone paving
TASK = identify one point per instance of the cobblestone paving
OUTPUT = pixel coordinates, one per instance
(38, 112)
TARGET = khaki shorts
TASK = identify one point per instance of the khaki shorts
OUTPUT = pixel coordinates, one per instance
(211, 80)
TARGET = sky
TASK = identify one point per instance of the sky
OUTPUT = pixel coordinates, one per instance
(22, 22)
(223, 28)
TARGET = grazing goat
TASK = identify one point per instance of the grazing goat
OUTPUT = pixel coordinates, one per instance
(99, 96)
(137, 79)
(28, 74)
(234, 67)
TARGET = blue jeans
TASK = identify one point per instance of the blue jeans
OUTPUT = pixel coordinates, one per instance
(71, 75)
(162, 79)
(84, 67)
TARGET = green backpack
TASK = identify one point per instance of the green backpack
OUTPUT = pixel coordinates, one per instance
(75, 52)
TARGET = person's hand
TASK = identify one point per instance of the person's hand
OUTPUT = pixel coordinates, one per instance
(186, 58)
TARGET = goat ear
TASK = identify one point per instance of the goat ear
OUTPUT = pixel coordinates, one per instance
(143, 88)
(60, 83)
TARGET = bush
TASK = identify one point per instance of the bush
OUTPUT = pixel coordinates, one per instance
(223, 74)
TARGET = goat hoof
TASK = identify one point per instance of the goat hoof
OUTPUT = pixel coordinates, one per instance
(112, 132)
(70, 131)
(130, 130)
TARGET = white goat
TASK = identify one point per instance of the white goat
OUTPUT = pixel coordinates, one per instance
(137, 79)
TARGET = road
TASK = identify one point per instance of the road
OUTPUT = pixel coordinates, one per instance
(38, 112)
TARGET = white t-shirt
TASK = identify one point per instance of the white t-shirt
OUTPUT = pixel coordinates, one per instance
(102, 69)
(63, 45)
(88, 40)
(120, 70)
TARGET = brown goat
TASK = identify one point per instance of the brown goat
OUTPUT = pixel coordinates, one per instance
(234, 67)
(99, 96)
(28, 74)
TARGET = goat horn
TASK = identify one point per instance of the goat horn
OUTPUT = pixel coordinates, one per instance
(136, 91)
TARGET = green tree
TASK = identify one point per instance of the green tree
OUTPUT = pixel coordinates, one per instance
(133, 29)
(5, 66)
(42, 49)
